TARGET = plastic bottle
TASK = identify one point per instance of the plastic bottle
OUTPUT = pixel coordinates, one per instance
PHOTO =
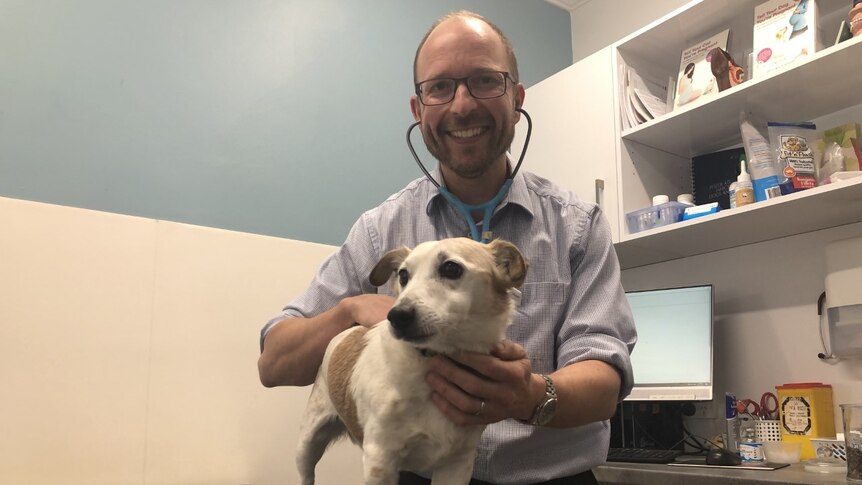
(744, 193)
(660, 199)
(750, 449)
(764, 173)
(686, 199)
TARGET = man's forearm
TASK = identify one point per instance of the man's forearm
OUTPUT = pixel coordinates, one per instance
(294, 348)
(587, 392)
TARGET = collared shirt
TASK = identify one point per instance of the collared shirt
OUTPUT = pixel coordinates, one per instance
(573, 307)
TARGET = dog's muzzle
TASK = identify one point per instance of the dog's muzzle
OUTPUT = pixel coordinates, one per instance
(404, 326)
(401, 318)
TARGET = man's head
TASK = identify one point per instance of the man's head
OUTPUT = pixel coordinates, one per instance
(470, 133)
(464, 14)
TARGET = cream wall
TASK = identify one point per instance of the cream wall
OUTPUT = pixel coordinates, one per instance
(617, 19)
(128, 351)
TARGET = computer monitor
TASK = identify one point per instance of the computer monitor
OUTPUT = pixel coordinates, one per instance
(672, 359)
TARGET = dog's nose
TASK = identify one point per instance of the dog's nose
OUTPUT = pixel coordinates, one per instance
(401, 318)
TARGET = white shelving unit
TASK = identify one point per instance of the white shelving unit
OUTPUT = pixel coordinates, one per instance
(655, 157)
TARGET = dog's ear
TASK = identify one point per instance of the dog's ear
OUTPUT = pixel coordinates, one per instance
(510, 263)
(387, 265)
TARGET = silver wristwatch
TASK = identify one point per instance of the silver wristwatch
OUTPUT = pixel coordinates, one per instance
(547, 407)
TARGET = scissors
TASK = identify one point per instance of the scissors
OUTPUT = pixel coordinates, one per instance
(767, 408)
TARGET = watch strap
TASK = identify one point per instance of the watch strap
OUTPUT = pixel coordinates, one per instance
(550, 395)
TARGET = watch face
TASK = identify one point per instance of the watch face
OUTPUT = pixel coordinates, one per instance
(547, 412)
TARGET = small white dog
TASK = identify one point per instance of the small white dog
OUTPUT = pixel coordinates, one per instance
(452, 295)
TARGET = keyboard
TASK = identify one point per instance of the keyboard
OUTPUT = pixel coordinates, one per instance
(642, 455)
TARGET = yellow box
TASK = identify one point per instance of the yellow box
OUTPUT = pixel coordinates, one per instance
(805, 412)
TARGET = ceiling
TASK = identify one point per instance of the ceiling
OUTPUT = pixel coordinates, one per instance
(569, 5)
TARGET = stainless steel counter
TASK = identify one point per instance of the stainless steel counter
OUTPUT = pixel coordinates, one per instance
(650, 474)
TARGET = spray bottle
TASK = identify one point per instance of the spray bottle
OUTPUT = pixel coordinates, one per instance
(744, 193)
(731, 418)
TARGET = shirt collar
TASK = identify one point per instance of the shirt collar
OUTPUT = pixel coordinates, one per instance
(518, 194)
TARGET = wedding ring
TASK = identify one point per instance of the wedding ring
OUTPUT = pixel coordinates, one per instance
(481, 409)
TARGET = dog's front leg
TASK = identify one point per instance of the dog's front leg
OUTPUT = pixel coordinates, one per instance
(455, 472)
(380, 464)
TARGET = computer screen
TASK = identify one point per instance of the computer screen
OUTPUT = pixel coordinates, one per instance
(672, 359)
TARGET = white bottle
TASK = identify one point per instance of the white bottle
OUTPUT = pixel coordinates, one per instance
(686, 199)
(660, 199)
(744, 193)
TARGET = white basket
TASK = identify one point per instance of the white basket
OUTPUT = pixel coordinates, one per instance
(767, 430)
(826, 447)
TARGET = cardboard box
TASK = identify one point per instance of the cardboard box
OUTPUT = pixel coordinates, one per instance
(785, 32)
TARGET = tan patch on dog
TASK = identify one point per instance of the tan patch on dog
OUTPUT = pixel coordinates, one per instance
(340, 369)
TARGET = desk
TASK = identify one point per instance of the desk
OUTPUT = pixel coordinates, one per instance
(654, 474)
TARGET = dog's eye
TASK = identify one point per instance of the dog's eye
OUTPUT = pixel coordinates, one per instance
(451, 270)
(403, 277)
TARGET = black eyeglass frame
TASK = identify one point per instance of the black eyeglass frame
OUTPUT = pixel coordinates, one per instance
(465, 81)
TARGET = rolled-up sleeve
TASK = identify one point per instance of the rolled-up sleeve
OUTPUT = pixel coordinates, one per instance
(344, 273)
(598, 323)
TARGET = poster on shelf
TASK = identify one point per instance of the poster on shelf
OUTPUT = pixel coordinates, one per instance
(785, 31)
(695, 80)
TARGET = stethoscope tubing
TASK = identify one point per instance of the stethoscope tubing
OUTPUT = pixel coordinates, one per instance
(517, 165)
(487, 207)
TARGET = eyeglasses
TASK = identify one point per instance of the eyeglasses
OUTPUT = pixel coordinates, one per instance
(485, 85)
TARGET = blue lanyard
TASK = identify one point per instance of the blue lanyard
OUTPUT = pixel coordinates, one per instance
(488, 207)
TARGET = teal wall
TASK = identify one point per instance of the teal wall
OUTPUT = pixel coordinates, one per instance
(276, 117)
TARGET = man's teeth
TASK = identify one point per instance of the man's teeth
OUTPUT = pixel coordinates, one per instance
(466, 133)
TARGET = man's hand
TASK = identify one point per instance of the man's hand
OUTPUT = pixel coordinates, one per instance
(503, 381)
(369, 310)
(294, 349)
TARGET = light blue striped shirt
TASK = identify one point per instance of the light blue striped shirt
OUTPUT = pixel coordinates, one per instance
(573, 306)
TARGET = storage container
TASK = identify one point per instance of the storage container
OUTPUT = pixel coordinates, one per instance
(805, 412)
(655, 216)
(767, 430)
(827, 447)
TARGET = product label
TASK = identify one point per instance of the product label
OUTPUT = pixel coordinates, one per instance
(751, 452)
(743, 197)
(796, 159)
(796, 415)
(766, 188)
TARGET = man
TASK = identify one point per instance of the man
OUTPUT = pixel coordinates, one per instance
(573, 323)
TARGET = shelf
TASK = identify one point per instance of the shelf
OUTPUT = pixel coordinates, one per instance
(660, 44)
(788, 95)
(654, 157)
(810, 210)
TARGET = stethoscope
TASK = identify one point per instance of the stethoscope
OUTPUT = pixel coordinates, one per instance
(484, 234)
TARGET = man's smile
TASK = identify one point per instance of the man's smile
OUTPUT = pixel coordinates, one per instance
(467, 133)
